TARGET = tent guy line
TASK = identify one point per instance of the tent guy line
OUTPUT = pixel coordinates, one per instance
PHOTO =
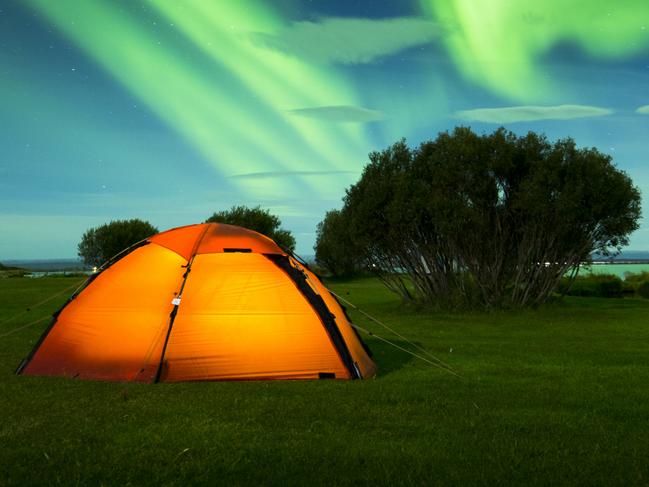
(385, 340)
(31, 323)
(76, 285)
(440, 363)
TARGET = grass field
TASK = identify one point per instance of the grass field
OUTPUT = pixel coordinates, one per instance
(549, 397)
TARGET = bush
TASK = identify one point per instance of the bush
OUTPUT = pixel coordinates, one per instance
(610, 287)
(628, 288)
(634, 281)
(593, 285)
(643, 290)
(636, 278)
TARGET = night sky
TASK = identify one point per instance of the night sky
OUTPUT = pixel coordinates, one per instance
(171, 110)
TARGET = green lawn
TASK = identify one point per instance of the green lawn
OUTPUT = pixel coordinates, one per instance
(554, 396)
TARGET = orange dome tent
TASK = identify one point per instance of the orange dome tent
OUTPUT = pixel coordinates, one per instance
(202, 302)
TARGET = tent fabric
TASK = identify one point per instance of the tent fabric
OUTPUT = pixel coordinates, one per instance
(202, 302)
(357, 348)
(210, 238)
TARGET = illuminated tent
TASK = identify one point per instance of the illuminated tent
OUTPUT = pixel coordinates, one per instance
(202, 302)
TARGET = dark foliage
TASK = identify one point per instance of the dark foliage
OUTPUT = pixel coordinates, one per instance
(256, 219)
(101, 243)
(593, 285)
(487, 220)
(643, 290)
(335, 250)
(636, 278)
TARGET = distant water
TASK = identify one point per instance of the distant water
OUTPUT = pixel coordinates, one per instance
(627, 255)
(617, 269)
(630, 261)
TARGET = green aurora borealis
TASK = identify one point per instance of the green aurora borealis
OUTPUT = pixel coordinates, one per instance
(197, 103)
(498, 43)
(169, 111)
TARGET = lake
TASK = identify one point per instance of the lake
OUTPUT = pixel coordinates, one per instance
(617, 269)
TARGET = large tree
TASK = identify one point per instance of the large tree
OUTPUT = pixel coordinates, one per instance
(101, 243)
(491, 219)
(259, 220)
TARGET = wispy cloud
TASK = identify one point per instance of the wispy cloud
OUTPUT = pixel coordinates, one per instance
(281, 174)
(340, 113)
(351, 40)
(644, 110)
(528, 113)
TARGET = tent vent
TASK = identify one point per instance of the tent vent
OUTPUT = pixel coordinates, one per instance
(245, 251)
(326, 375)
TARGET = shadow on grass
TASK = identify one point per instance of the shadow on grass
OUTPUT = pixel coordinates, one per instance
(388, 358)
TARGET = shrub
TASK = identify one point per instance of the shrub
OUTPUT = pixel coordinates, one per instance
(636, 278)
(593, 285)
(611, 287)
(634, 281)
(628, 288)
(643, 290)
